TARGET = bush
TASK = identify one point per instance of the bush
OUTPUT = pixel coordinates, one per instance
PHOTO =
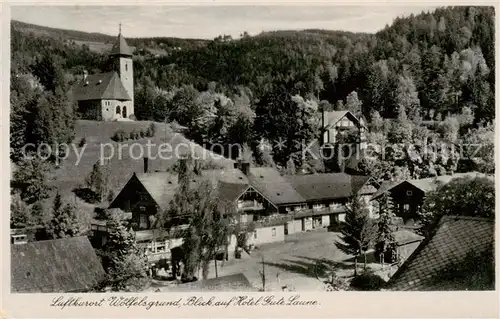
(143, 133)
(367, 281)
(131, 135)
(82, 142)
(132, 117)
(152, 129)
(119, 136)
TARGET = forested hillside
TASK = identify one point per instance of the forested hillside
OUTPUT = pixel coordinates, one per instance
(428, 67)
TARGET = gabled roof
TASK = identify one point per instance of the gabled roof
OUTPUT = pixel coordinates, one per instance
(329, 185)
(59, 265)
(228, 175)
(331, 118)
(162, 186)
(426, 184)
(277, 189)
(120, 47)
(230, 192)
(101, 86)
(456, 240)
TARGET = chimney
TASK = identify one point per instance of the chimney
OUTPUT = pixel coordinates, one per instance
(146, 162)
(85, 74)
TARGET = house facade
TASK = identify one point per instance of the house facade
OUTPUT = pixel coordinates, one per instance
(408, 196)
(343, 127)
(108, 96)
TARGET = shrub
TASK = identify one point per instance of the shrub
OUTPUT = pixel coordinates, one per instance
(132, 117)
(131, 135)
(142, 133)
(119, 136)
(367, 281)
(152, 129)
(82, 142)
(101, 213)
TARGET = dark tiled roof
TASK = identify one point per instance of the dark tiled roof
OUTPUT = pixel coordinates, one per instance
(328, 186)
(60, 265)
(101, 86)
(455, 239)
(363, 185)
(162, 186)
(120, 47)
(277, 189)
(332, 117)
(406, 236)
(229, 192)
(237, 282)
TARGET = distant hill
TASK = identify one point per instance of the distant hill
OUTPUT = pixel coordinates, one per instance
(101, 43)
(63, 34)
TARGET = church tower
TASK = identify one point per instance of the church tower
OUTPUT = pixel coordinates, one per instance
(121, 56)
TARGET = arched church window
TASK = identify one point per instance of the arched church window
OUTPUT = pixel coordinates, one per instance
(118, 110)
(124, 112)
(126, 67)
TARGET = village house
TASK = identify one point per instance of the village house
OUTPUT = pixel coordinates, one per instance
(54, 266)
(108, 96)
(258, 199)
(341, 127)
(459, 255)
(408, 195)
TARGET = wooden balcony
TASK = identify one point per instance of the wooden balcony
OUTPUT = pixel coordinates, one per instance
(250, 206)
(317, 212)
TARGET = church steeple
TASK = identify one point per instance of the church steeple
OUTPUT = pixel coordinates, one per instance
(121, 47)
(122, 62)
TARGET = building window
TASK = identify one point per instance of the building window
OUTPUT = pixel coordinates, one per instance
(118, 110)
(143, 221)
(406, 207)
(409, 193)
(126, 67)
(274, 232)
(255, 234)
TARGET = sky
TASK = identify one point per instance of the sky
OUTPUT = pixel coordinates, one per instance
(209, 21)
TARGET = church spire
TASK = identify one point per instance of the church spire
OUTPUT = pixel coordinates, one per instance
(120, 46)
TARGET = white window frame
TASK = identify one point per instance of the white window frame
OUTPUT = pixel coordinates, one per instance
(409, 193)
(143, 220)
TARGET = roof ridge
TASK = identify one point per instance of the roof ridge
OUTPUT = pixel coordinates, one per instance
(462, 217)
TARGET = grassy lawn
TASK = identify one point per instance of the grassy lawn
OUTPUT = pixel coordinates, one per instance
(71, 173)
